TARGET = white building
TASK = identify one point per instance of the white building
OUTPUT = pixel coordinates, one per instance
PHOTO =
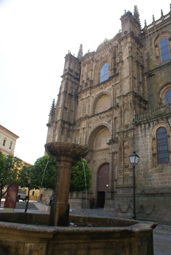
(7, 141)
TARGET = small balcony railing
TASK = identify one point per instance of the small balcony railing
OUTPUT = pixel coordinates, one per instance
(160, 111)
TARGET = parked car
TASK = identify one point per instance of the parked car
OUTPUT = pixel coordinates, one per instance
(21, 195)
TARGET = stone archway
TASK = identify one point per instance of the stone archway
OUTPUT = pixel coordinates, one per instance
(102, 102)
(102, 184)
(95, 136)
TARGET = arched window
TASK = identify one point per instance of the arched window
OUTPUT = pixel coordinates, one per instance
(167, 97)
(162, 147)
(4, 141)
(10, 146)
(164, 49)
(104, 72)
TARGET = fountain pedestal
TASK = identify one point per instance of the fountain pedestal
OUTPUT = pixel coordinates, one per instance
(65, 154)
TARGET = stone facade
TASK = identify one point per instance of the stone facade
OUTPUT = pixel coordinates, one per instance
(118, 110)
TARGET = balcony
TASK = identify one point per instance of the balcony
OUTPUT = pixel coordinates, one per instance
(150, 114)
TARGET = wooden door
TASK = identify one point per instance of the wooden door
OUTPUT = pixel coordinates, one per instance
(103, 184)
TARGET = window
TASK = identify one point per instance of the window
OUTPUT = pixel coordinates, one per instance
(4, 142)
(164, 49)
(167, 97)
(10, 146)
(104, 72)
(162, 147)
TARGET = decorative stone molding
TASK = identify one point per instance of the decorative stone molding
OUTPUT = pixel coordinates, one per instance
(157, 42)
(162, 91)
(96, 99)
(154, 160)
(113, 148)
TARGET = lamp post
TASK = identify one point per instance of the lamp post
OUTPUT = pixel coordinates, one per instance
(134, 160)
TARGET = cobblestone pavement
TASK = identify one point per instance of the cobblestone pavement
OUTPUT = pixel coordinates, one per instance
(161, 234)
(162, 240)
(22, 205)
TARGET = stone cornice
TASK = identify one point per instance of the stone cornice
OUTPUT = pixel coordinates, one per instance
(162, 65)
(99, 84)
(68, 73)
(97, 114)
(7, 152)
(8, 131)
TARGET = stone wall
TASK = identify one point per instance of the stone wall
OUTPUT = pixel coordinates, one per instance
(79, 200)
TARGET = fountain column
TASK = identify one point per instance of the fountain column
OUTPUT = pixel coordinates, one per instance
(65, 155)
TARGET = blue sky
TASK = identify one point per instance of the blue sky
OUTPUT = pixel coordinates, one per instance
(35, 36)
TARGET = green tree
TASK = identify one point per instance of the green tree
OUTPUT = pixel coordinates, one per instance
(24, 177)
(41, 177)
(77, 182)
(2, 173)
(25, 180)
(36, 176)
(9, 169)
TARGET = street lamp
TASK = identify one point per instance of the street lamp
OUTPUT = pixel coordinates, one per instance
(134, 160)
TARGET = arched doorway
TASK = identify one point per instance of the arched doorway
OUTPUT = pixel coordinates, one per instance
(103, 184)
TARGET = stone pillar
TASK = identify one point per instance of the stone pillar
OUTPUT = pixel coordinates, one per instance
(59, 215)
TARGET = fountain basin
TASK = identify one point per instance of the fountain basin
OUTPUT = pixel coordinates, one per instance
(133, 239)
(68, 150)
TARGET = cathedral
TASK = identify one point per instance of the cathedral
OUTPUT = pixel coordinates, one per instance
(117, 100)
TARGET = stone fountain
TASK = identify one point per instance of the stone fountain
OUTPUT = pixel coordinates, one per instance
(107, 236)
(65, 155)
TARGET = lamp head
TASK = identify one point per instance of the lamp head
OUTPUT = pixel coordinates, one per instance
(134, 158)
